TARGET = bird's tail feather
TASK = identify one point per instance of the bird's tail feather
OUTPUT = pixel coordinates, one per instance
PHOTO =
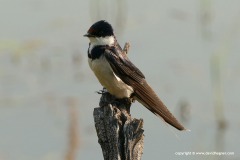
(145, 95)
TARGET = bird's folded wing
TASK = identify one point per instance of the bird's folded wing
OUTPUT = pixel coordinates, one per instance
(132, 76)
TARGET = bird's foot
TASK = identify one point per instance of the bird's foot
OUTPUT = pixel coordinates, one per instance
(103, 91)
(106, 98)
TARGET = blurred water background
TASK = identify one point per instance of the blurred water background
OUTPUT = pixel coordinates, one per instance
(188, 50)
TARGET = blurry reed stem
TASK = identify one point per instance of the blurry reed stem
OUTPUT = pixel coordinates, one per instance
(218, 61)
(206, 18)
(217, 90)
(73, 143)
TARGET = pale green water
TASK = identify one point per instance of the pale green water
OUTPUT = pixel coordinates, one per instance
(43, 66)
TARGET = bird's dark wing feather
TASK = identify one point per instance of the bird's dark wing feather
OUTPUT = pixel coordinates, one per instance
(122, 66)
(132, 76)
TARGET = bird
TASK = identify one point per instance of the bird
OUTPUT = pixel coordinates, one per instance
(119, 75)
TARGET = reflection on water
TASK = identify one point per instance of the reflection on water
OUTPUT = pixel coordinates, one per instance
(47, 91)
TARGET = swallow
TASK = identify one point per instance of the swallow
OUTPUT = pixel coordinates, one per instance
(119, 75)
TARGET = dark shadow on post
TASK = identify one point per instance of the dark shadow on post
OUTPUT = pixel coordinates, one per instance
(120, 136)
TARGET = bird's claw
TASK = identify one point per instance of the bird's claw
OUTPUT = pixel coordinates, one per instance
(103, 91)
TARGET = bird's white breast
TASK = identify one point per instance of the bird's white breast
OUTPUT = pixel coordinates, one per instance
(108, 79)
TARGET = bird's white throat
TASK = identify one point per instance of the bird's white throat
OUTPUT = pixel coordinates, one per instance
(97, 41)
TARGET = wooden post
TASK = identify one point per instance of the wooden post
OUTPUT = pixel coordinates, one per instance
(120, 136)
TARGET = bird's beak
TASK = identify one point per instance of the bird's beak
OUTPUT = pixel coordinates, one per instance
(88, 35)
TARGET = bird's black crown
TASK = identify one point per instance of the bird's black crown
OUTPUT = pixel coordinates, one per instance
(100, 29)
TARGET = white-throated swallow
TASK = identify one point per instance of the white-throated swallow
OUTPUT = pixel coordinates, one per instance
(119, 75)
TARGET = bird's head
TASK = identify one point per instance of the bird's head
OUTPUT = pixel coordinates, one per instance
(101, 33)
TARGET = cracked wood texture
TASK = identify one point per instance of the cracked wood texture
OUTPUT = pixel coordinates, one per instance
(120, 135)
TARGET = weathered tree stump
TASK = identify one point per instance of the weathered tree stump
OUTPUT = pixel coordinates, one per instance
(120, 136)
